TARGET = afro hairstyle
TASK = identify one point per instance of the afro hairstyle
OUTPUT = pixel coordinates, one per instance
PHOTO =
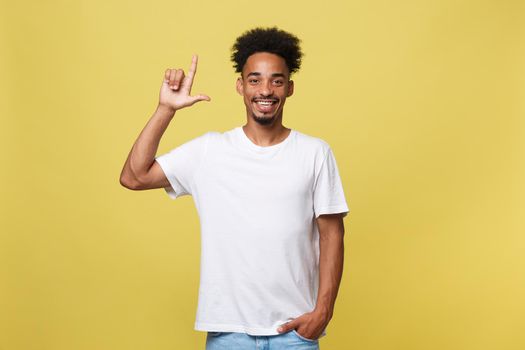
(272, 40)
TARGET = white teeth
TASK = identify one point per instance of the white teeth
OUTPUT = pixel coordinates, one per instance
(266, 103)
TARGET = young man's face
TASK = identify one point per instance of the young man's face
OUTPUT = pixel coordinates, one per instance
(265, 85)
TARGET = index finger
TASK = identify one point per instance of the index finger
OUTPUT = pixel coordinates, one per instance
(192, 70)
(188, 81)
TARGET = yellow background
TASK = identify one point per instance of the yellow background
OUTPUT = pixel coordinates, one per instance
(422, 102)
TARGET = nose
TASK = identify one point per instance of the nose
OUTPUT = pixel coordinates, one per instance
(267, 89)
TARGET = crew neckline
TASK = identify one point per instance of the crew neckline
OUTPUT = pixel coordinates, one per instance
(263, 149)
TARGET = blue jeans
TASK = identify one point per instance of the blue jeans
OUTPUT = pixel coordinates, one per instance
(243, 341)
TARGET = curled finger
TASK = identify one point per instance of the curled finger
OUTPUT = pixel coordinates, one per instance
(179, 76)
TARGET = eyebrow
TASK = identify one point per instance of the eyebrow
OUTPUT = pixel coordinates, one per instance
(273, 74)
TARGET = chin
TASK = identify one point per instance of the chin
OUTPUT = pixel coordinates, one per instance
(264, 120)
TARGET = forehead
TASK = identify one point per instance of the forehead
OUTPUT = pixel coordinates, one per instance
(265, 63)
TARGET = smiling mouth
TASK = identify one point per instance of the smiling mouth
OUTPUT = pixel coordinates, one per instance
(264, 102)
(265, 106)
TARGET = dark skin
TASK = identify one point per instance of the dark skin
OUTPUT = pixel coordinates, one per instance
(331, 257)
(265, 78)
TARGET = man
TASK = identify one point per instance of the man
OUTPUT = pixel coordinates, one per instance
(269, 199)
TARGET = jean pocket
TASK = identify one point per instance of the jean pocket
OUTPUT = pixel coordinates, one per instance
(304, 338)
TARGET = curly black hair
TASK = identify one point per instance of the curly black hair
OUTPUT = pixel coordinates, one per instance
(272, 40)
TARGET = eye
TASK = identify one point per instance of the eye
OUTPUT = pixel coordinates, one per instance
(278, 82)
(253, 81)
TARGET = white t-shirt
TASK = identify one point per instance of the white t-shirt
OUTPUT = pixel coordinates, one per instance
(257, 207)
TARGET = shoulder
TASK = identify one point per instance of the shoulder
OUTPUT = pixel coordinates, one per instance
(214, 134)
(213, 137)
(313, 144)
(205, 137)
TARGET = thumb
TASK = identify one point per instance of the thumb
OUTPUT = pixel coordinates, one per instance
(285, 327)
(200, 97)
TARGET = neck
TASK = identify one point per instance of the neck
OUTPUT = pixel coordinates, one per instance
(265, 135)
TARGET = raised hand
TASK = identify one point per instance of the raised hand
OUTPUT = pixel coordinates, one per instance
(176, 88)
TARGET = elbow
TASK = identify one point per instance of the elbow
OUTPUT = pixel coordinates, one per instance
(129, 182)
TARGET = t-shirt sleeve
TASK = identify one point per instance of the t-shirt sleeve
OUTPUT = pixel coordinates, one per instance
(329, 197)
(181, 164)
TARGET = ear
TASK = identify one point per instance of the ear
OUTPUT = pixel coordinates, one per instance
(239, 86)
(290, 88)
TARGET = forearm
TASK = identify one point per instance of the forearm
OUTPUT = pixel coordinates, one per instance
(144, 150)
(331, 259)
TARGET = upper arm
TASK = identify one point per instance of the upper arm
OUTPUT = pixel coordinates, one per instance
(330, 224)
(154, 178)
(328, 193)
(176, 169)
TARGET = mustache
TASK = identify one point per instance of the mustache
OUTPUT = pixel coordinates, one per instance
(267, 98)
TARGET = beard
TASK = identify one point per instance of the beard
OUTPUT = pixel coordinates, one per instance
(264, 120)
